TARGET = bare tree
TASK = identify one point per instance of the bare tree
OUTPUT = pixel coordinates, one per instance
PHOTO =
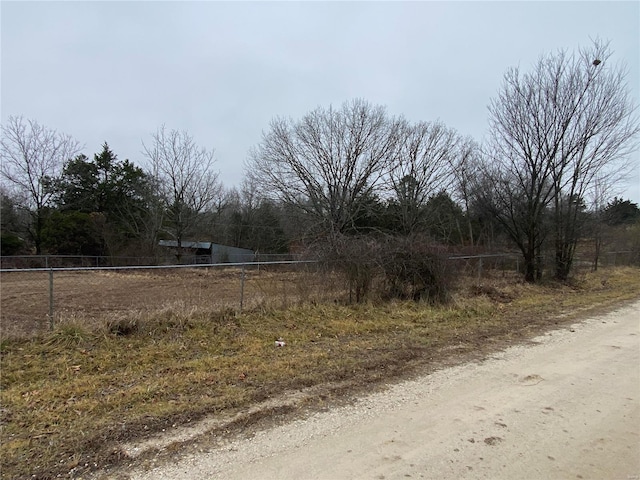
(465, 171)
(32, 157)
(600, 194)
(250, 221)
(328, 162)
(599, 134)
(519, 204)
(427, 156)
(554, 131)
(185, 176)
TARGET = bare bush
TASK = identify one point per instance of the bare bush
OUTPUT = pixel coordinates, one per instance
(414, 269)
(406, 268)
(354, 258)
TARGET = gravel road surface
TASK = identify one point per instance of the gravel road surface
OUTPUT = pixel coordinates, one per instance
(565, 406)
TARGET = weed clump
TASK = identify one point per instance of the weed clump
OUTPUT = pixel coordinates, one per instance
(69, 335)
(122, 327)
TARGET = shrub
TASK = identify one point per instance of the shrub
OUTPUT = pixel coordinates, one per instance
(407, 268)
(413, 269)
(355, 258)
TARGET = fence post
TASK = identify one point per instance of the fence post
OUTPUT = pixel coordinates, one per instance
(51, 299)
(242, 289)
(480, 269)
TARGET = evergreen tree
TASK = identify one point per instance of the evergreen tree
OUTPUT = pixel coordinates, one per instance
(11, 226)
(621, 212)
(117, 190)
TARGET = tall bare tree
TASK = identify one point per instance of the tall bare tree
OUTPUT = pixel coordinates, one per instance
(185, 176)
(600, 132)
(519, 204)
(465, 171)
(597, 201)
(554, 131)
(424, 168)
(32, 157)
(326, 163)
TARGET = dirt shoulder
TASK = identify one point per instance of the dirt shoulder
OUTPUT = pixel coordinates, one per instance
(564, 405)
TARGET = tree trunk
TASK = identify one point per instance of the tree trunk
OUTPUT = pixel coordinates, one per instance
(38, 227)
(530, 267)
(564, 259)
(596, 258)
(539, 264)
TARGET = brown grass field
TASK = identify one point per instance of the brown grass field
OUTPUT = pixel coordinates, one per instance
(72, 397)
(93, 297)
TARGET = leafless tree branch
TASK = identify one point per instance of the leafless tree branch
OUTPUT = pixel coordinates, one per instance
(32, 156)
(325, 163)
(184, 173)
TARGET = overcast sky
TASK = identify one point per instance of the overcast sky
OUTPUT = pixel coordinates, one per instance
(115, 71)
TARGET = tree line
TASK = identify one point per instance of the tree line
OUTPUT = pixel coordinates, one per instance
(561, 138)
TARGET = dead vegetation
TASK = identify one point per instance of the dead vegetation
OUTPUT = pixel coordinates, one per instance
(70, 397)
(92, 297)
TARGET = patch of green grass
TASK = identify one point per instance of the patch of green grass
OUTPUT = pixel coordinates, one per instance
(69, 398)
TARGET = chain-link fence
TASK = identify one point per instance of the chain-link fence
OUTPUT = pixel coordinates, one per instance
(33, 299)
(68, 261)
(482, 265)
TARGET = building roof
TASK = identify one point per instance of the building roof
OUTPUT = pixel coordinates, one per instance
(196, 245)
(213, 247)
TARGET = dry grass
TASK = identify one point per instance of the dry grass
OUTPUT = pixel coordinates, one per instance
(90, 296)
(70, 397)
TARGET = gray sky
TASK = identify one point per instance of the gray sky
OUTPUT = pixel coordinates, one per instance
(115, 71)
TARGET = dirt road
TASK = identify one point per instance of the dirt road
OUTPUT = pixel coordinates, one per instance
(564, 407)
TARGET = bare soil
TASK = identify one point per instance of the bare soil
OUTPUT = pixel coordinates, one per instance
(96, 296)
